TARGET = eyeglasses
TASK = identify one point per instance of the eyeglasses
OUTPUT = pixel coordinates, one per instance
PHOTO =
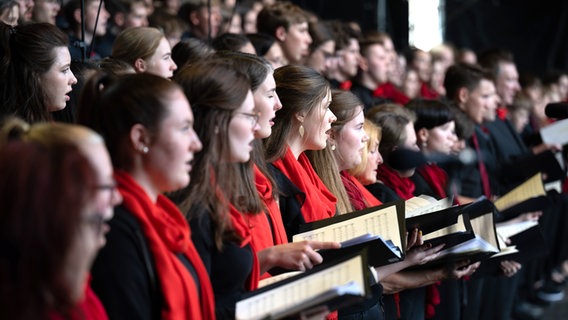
(96, 221)
(253, 117)
(113, 192)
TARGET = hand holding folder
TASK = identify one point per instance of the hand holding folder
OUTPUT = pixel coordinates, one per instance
(381, 229)
(330, 286)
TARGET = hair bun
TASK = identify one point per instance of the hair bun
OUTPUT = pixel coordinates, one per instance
(14, 128)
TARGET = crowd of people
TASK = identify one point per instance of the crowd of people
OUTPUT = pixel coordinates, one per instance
(157, 158)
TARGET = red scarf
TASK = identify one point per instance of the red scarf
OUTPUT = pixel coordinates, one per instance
(264, 233)
(242, 230)
(427, 92)
(264, 188)
(502, 113)
(389, 91)
(404, 187)
(320, 202)
(359, 196)
(90, 308)
(345, 85)
(168, 234)
(436, 178)
(432, 300)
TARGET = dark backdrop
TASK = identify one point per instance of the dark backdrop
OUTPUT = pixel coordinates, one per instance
(536, 31)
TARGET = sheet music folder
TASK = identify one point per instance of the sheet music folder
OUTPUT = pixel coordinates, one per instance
(381, 229)
(526, 197)
(436, 220)
(333, 285)
(478, 241)
(528, 245)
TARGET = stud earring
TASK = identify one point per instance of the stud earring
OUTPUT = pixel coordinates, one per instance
(333, 147)
(424, 144)
(144, 149)
(301, 130)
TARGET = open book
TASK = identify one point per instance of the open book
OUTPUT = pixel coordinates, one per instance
(381, 229)
(417, 206)
(528, 196)
(472, 237)
(446, 225)
(331, 285)
(525, 243)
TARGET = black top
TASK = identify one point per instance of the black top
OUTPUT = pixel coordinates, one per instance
(509, 147)
(124, 274)
(290, 201)
(421, 186)
(228, 269)
(366, 96)
(76, 52)
(383, 192)
(469, 178)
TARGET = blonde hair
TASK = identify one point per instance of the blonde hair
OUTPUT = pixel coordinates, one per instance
(374, 132)
(49, 133)
(324, 164)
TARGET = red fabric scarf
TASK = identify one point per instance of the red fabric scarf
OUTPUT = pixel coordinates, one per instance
(389, 91)
(320, 202)
(354, 194)
(242, 229)
(346, 85)
(264, 188)
(90, 308)
(359, 196)
(485, 184)
(436, 178)
(367, 195)
(168, 234)
(404, 187)
(428, 92)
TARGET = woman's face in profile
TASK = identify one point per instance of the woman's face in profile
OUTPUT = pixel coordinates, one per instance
(317, 125)
(161, 63)
(90, 234)
(57, 82)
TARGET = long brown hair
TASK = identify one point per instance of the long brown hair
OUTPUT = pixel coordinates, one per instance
(215, 90)
(345, 106)
(300, 89)
(257, 69)
(27, 52)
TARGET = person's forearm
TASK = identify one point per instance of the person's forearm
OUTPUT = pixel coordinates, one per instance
(265, 260)
(400, 281)
(385, 271)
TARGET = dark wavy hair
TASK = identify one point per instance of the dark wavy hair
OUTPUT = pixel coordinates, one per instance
(27, 52)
